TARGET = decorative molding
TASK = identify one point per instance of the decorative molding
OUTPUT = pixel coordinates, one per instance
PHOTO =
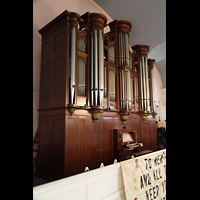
(71, 108)
(124, 116)
(95, 115)
(84, 59)
(144, 117)
(112, 69)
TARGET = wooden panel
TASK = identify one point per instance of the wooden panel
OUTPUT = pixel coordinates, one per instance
(95, 144)
(153, 134)
(59, 79)
(59, 43)
(107, 140)
(45, 84)
(136, 124)
(70, 140)
(44, 151)
(129, 123)
(81, 145)
(118, 123)
(150, 134)
(58, 146)
(87, 142)
(46, 50)
(144, 136)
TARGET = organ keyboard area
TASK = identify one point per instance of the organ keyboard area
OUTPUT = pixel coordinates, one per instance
(125, 143)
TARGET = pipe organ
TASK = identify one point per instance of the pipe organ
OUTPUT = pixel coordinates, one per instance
(91, 83)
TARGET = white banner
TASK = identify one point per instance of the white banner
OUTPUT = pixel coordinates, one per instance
(145, 176)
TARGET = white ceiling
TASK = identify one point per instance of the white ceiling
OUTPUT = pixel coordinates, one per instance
(148, 18)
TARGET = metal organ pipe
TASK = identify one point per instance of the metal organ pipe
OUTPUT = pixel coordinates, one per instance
(101, 68)
(125, 93)
(122, 36)
(147, 83)
(129, 89)
(120, 80)
(141, 85)
(122, 88)
(72, 64)
(91, 69)
(152, 89)
(120, 50)
(95, 67)
(144, 83)
(127, 48)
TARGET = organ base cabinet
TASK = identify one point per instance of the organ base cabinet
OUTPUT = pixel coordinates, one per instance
(88, 80)
(67, 144)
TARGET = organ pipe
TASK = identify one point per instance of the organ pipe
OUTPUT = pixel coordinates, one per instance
(120, 47)
(144, 83)
(147, 83)
(122, 77)
(141, 86)
(150, 63)
(101, 68)
(97, 22)
(95, 68)
(91, 70)
(152, 89)
(72, 64)
(126, 91)
(127, 49)
(129, 89)
(120, 80)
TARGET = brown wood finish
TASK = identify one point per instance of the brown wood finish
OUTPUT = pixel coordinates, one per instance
(67, 144)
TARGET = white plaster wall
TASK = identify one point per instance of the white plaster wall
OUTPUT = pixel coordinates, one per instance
(159, 96)
(157, 86)
(43, 12)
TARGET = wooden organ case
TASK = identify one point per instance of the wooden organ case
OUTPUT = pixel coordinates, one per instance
(91, 84)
